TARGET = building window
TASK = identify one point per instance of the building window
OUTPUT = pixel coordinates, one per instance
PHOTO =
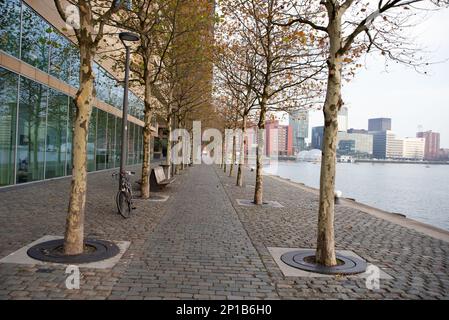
(101, 141)
(8, 119)
(35, 39)
(118, 141)
(64, 58)
(111, 150)
(92, 141)
(68, 148)
(56, 143)
(31, 131)
(10, 26)
(131, 153)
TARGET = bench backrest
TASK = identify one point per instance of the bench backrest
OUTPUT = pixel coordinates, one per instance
(159, 174)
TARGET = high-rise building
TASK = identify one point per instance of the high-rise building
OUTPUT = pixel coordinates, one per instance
(432, 144)
(362, 145)
(317, 137)
(343, 122)
(386, 145)
(278, 138)
(414, 148)
(379, 124)
(299, 121)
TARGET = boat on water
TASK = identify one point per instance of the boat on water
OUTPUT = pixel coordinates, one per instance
(346, 159)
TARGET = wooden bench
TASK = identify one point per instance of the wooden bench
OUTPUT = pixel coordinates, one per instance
(158, 180)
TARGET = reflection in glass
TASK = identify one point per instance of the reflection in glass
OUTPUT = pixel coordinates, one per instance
(31, 131)
(8, 112)
(118, 141)
(63, 56)
(10, 26)
(72, 113)
(91, 141)
(74, 64)
(130, 143)
(56, 146)
(136, 143)
(35, 39)
(101, 145)
(111, 142)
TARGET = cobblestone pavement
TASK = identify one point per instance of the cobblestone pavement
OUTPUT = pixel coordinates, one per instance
(199, 250)
(31, 211)
(418, 263)
(201, 244)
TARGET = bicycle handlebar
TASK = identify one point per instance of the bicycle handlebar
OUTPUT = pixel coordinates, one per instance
(129, 173)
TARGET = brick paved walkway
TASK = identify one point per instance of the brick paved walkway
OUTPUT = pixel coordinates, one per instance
(201, 244)
(199, 249)
(418, 263)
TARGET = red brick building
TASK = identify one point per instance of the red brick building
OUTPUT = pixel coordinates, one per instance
(432, 145)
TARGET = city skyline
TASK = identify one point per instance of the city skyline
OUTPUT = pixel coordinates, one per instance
(410, 99)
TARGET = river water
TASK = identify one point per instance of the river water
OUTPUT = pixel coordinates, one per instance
(420, 192)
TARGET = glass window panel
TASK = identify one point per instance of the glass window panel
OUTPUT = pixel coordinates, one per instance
(10, 26)
(118, 141)
(8, 113)
(35, 39)
(131, 103)
(130, 143)
(141, 145)
(117, 96)
(31, 131)
(62, 54)
(57, 114)
(73, 58)
(68, 147)
(101, 141)
(137, 143)
(99, 78)
(111, 142)
(92, 141)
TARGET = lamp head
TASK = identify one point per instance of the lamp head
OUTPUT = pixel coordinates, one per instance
(128, 37)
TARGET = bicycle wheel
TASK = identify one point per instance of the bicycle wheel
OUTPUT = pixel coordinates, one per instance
(123, 204)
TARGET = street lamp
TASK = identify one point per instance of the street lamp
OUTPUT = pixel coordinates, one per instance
(126, 38)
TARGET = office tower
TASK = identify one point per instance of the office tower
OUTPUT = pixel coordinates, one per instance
(317, 137)
(432, 144)
(361, 145)
(299, 121)
(414, 148)
(379, 124)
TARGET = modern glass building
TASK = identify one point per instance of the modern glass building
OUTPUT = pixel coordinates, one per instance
(299, 121)
(39, 70)
(361, 148)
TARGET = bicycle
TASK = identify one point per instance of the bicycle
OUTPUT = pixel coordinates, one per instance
(124, 195)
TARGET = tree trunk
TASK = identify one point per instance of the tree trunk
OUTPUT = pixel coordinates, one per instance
(258, 190)
(242, 155)
(74, 232)
(325, 252)
(231, 169)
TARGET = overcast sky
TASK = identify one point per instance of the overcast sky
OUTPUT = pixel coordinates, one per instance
(409, 98)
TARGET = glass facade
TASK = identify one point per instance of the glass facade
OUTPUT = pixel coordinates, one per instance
(36, 122)
(8, 121)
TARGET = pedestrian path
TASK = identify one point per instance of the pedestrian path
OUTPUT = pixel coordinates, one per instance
(199, 249)
(200, 244)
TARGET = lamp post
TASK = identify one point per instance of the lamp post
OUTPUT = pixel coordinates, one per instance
(125, 37)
